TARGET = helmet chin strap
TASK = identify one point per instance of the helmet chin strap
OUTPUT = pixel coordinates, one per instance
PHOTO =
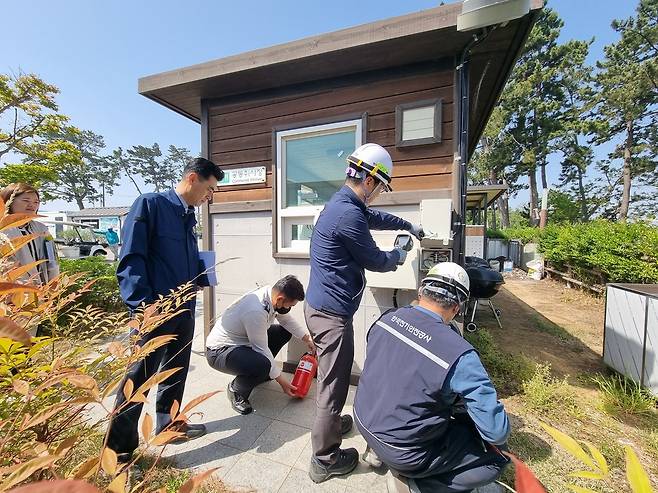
(367, 195)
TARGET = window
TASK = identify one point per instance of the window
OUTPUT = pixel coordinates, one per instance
(310, 168)
(418, 123)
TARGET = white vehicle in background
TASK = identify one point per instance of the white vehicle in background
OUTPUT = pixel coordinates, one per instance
(78, 243)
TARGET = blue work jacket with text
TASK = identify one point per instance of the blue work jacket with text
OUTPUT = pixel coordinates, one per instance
(418, 374)
(160, 251)
(342, 247)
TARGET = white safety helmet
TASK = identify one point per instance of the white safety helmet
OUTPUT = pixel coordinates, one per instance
(375, 161)
(448, 279)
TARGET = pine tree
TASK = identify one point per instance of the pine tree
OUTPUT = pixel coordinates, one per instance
(627, 107)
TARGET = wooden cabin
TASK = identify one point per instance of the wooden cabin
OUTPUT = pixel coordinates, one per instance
(280, 121)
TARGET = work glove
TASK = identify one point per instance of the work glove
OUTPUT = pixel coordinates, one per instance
(417, 231)
(403, 255)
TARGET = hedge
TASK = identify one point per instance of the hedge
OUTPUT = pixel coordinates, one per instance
(599, 250)
(620, 252)
(105, 290)
(525, 234)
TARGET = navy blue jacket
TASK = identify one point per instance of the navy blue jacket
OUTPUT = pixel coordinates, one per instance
(160, 251)
(418, 373)
(342, 247)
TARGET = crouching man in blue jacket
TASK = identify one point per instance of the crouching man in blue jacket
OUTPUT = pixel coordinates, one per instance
(425, 404)
(160, 254)
(341, 248)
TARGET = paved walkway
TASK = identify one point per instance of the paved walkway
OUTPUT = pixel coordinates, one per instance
(268, 450)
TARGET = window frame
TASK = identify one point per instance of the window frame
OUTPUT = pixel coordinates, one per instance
(437, 103)
(281, 214)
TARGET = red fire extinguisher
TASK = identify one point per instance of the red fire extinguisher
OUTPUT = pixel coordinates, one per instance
(304, 374)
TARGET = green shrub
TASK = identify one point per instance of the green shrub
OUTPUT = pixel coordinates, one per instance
(596, 252)
(546, 394)
(604, 251)
(622, 395)
(525, 234)
(105, 290)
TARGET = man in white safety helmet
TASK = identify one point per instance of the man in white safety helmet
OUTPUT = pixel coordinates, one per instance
(341, 248)
(425, 404)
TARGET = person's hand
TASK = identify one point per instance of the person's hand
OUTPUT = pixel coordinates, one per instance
(403, 255)
(287, 388)
(417, 231)
(309, 344)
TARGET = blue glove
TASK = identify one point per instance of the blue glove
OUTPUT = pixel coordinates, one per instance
(417, 231)
(403, 255)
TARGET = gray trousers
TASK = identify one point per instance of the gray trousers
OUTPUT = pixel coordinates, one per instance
(334, 338)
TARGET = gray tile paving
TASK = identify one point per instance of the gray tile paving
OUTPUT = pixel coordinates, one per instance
(256, 473)
(282, 442)
(298, 481)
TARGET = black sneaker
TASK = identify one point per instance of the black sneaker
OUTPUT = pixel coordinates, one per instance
(190, 432)
(346, 423)
(347, 461)
(238, 403)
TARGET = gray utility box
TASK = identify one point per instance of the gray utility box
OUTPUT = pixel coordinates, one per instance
(630, 340)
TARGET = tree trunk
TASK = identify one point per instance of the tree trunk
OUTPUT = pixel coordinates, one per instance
(532, 179)
(626, 173)
(542, 169)
(80, 203)
(493, 180)
(584, 215)
(503, 206)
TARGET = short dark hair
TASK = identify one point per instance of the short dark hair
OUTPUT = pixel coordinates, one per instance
(291, 288)
(204, 168)
(350, 180)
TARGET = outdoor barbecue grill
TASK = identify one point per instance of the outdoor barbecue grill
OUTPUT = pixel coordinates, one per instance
(485, 283)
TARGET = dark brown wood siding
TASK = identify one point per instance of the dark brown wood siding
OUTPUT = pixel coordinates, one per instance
(241, 130)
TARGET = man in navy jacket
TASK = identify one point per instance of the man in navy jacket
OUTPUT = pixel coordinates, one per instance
(160, 254)
(425, 404)
(341, 248)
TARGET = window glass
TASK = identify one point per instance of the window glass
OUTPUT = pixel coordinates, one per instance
(315, 166)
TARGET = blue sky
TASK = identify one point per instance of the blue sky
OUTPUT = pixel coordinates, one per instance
(95, 51)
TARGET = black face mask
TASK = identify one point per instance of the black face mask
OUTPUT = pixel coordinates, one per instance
(283, 310)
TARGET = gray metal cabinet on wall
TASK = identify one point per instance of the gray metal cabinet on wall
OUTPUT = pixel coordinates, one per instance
(631, 332)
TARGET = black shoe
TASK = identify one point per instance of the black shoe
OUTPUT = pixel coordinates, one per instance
(346, 423)
(347, 461)
(124, 458)
(238, 403)
(189, 431)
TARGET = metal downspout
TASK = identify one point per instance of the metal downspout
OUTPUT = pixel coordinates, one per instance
(464, 108)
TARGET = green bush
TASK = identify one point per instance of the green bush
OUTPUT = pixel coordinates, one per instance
(604, 251)
(105, 290)
(598, 252)
(525, 234)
